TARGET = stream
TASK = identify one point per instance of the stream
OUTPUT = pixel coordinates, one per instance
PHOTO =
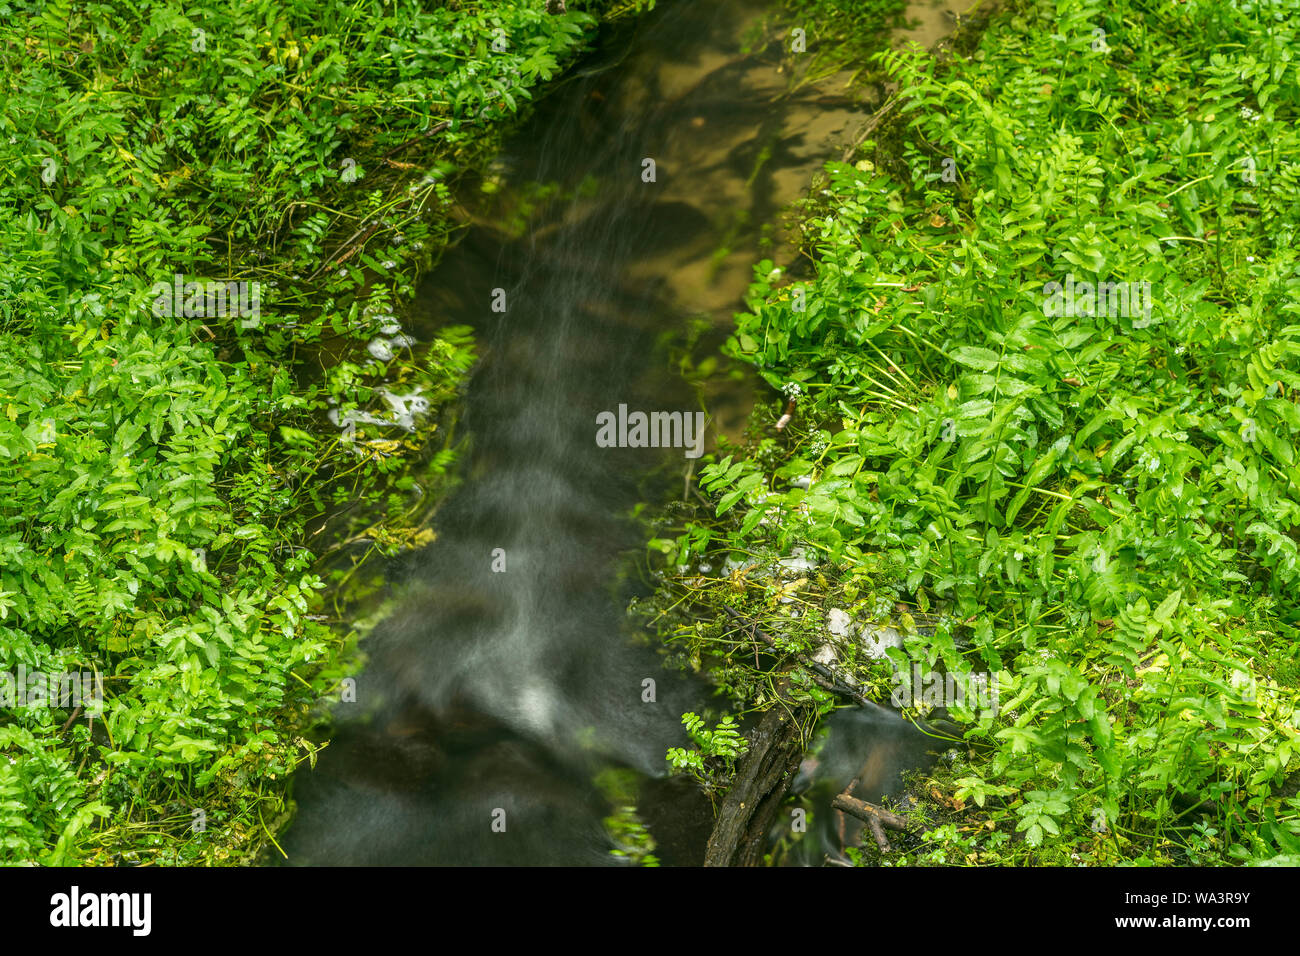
(507, 676)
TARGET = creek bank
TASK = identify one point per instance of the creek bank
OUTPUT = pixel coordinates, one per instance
(164, 478)
(1080, 508)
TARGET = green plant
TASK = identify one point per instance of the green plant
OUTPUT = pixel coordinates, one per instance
(159, 467)
(1098, 505)
(714, 750)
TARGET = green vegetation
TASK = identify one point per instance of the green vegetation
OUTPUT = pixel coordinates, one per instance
(724, 744)
(158, 473)
(1098, 511)
(1094, 508)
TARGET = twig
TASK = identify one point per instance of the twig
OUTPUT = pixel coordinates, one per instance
(68, 723)
(876, 119)
(878, 832)
(870, 813)
(830, 678)
(364, 235)
(431, 131)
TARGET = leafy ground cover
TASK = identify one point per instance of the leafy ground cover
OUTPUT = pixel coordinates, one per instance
(166, 459)
(1088, 496)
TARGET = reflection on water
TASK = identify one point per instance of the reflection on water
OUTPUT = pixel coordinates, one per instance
(492, 691)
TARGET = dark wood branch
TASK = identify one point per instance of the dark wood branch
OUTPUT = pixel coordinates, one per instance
(68, 723)
(763, 776)
(878, 831)
(870, 813)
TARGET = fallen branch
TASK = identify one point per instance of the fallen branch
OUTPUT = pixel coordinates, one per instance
(868, 812)
(876, 818)
(759, 786)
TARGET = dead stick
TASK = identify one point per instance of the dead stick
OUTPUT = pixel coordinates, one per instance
(830, 678)
(878, 832)
(868, 812)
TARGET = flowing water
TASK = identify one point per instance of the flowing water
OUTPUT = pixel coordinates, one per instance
(498, 695)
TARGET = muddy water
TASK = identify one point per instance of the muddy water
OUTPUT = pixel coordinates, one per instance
(506, 678)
